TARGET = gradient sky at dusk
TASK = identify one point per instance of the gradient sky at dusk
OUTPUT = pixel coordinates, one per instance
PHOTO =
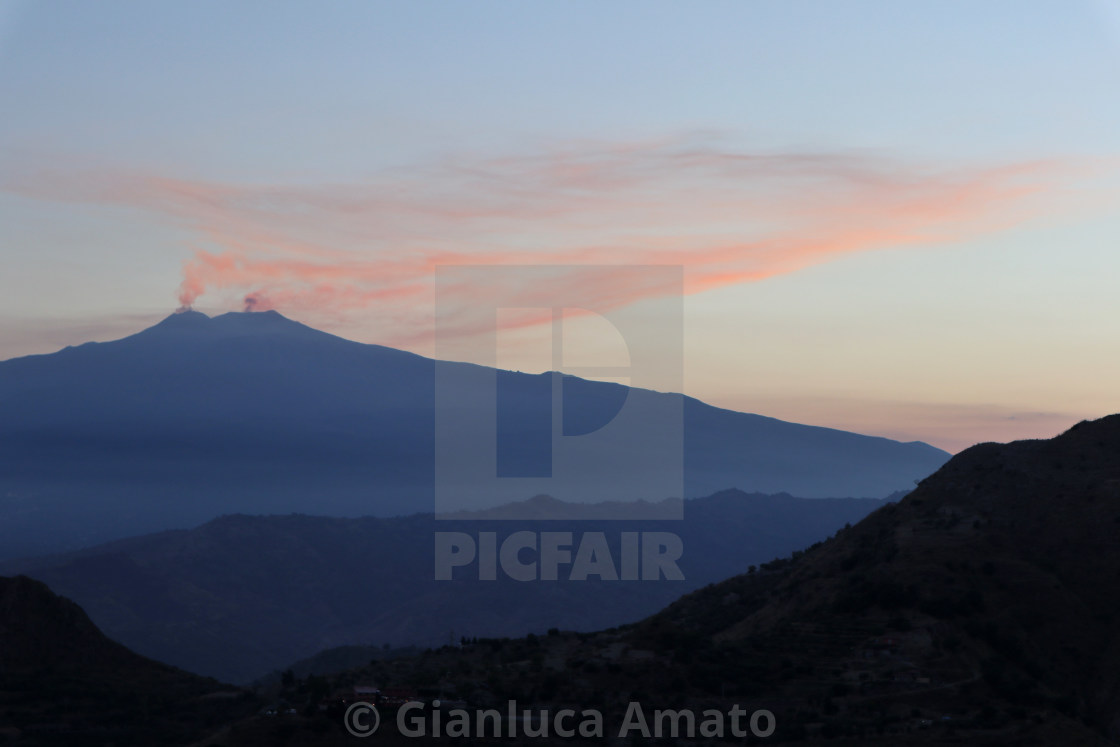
(899, 218)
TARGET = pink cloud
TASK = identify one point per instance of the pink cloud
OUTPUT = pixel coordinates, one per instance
(727, 217)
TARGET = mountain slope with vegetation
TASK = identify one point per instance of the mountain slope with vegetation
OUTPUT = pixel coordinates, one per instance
(64, 683)
(979, 610)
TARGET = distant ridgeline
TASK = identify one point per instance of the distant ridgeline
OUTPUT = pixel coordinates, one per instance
(244, 595)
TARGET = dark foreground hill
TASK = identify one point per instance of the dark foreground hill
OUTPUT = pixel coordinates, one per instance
(63, 683)
(980, 609)
(244, 595)
(198, 417)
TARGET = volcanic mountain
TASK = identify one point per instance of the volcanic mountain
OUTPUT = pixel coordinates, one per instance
(197, 417)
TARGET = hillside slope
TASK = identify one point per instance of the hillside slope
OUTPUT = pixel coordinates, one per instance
(62, 682)
(986, 595)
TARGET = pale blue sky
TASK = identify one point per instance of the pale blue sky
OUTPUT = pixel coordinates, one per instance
(1004, 327)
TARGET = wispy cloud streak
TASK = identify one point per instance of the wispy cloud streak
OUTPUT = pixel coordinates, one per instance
(728, 217)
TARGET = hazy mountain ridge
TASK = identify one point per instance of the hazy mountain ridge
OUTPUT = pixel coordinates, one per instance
(251, 412)
(242, 595)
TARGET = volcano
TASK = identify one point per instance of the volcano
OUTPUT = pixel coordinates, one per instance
(201, 416)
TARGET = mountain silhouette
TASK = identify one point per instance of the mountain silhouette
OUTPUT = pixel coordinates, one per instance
(63, 682)
(197, 417)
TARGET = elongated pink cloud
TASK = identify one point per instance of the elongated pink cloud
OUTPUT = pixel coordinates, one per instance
(728, 217)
